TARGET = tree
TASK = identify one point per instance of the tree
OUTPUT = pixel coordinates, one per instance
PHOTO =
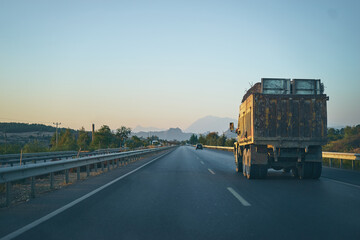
(122, 134)
(211, 139)
(34, 146)
(135, 142)
(202, 139)
(221, 140)
(193, 139)
(230, 142)
(102, 138)
(66, 141)
(83, 140)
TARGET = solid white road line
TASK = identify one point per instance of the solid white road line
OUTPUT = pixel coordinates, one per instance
(240, 198)
(345, 183)
(69, 205)
(202, 162)
(212, 172)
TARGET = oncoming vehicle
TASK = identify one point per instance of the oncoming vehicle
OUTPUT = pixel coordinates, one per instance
(199, 146)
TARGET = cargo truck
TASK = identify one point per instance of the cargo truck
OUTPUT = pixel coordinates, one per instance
(282, 125)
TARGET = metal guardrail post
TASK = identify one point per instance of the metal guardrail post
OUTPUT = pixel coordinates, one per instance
(78, 173)
(353, 165)
(52, 180)
(8, 194)
(32, 195)
(341, 163)
(108, 165)
(117, 163)
(95, 167)
(330, 162)
(87, 170)
(113, 164)
(67, 176)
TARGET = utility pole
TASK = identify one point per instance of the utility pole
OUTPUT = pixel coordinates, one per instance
(57, 125)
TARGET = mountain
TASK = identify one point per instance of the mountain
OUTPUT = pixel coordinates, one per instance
(139, 128)
(170, 134)
(210, 124)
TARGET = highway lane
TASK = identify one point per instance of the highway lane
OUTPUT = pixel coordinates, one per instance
(196, 194)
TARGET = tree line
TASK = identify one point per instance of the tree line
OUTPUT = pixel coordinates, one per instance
(212, 139)
(13, 127)
(69, 140)
(343, 140)
(339, 140)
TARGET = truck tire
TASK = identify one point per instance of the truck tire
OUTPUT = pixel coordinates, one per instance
(263, 170)
(238, 161)
(317, 169)
(306, 170)
(295, 172)
(252, 171)
(245, 154)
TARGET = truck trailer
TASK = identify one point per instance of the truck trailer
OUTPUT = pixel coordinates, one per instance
(282, 124)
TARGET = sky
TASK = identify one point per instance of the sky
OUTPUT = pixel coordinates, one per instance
(168, 63)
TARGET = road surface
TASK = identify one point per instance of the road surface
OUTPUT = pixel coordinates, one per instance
(196, 194)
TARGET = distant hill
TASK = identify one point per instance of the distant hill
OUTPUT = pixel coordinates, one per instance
(21, 133)
(210, 124)
(139, 128)
(13, 127)
(170, 134)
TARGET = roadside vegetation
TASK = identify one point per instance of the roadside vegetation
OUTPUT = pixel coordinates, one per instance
(339, 140)
(343, 140)
(212, 139)
(72, 140)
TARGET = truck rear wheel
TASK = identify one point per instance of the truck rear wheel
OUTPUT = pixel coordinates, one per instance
(317, 169)
(263, 171)
(245, 154)
(295, 172)
(252, 171)
(238, 161)
(306, 170)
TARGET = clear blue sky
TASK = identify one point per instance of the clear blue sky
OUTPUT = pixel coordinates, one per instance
(167, 63)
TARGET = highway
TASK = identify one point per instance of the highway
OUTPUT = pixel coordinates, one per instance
(193, 194)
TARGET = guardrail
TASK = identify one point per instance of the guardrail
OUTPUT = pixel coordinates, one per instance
(353, 157)
(11, 174)
(331, 156)
(12, 159)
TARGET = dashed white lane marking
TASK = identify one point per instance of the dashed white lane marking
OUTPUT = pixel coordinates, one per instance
(240, 198)
(202, 162)
(69, 205)
(212, 172)
(348, 184)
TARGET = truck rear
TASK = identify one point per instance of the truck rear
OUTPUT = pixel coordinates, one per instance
(282, 125)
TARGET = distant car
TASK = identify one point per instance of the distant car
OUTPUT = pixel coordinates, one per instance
(199, 146)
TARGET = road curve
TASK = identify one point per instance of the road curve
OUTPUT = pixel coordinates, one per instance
(196, 194)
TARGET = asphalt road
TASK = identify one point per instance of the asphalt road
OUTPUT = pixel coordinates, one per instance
(196, 194)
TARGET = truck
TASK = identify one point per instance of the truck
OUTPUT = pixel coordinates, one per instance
(282, 125)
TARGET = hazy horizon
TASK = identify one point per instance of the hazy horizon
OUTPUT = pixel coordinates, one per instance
(167, 64)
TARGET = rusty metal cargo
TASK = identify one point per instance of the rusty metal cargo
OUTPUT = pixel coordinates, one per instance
(282, 125)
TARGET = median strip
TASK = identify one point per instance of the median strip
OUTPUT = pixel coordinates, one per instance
(238, 197)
